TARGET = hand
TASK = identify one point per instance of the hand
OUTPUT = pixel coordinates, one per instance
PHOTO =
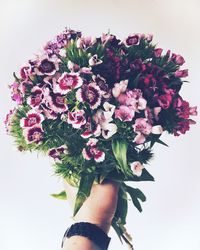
(99, 208)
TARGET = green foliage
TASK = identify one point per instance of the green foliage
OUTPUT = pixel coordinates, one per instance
(136, 195)
(84, 189)
(61, 196)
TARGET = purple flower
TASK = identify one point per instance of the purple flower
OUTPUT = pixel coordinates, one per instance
(47, 66)
(33, 118)
(89, 93)
(8, 120)
(133, 40)
(91, 129)
(67, 82)
(76, 118)
(56, 102)
(33, 134)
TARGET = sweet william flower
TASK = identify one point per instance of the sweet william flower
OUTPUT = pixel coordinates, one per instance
(67, 82)
(47, 66)
(76, 118)
(36, 97)
(56, 102)
(136, 168)
(56, 153)
(132, 40)
(92, 152)
(32, 118)
(33, 134)
(94, 60)
(89, 93)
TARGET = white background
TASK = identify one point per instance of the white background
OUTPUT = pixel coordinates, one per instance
(29, 217)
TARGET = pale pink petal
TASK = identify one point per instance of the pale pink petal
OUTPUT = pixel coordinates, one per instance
(157, 130)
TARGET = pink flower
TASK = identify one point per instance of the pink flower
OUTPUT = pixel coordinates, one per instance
(158, 52)
(142, 126)
(73, 67)
(165, 101)
(181, 73)
(85, 42)
(89, 93)
(32, 118)
(119, 88)
(16, 94)
(33, 134)
(132, 40)
(56, 153)
(136, 168)
(92, 152)
(76, 118)
(67, 82)
(124, 113)
(8, 120)
(26, 72)
(36, 97)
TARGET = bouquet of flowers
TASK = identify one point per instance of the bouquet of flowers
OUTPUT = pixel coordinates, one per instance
(97, 106)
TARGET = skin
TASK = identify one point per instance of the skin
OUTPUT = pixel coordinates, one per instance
(99, 209)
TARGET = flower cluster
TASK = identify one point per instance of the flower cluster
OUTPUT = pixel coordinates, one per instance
(98, 105)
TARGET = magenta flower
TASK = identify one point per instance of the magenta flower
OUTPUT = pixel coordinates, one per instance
(36, 97)
(124, 113)
(181, 73)
(89, 93)
(32, 118)
(158, 52)
(16, 94)
(178, 59)
(33, 134)
(133, 40)
(76, 118)
(136, 168)
(165, 101)
(183, 126)
(92, 152)
(67, 82)
(183, 108)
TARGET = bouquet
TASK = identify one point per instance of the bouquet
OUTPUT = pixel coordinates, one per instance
(97, 106)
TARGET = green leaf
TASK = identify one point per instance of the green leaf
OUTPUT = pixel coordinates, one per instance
(117, 229)
(84, 189)
(122, 206)
(62, 195)
(119, 148)
(136, 195)
(161, 142)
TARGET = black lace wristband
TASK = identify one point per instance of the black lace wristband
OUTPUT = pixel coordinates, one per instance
(90, 231)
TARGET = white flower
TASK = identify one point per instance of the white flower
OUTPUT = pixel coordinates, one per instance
(109, 130)
(119, 88)
(94, 60)
(136, 167)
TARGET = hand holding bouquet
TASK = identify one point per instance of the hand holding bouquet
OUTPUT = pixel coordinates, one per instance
(97, 106)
